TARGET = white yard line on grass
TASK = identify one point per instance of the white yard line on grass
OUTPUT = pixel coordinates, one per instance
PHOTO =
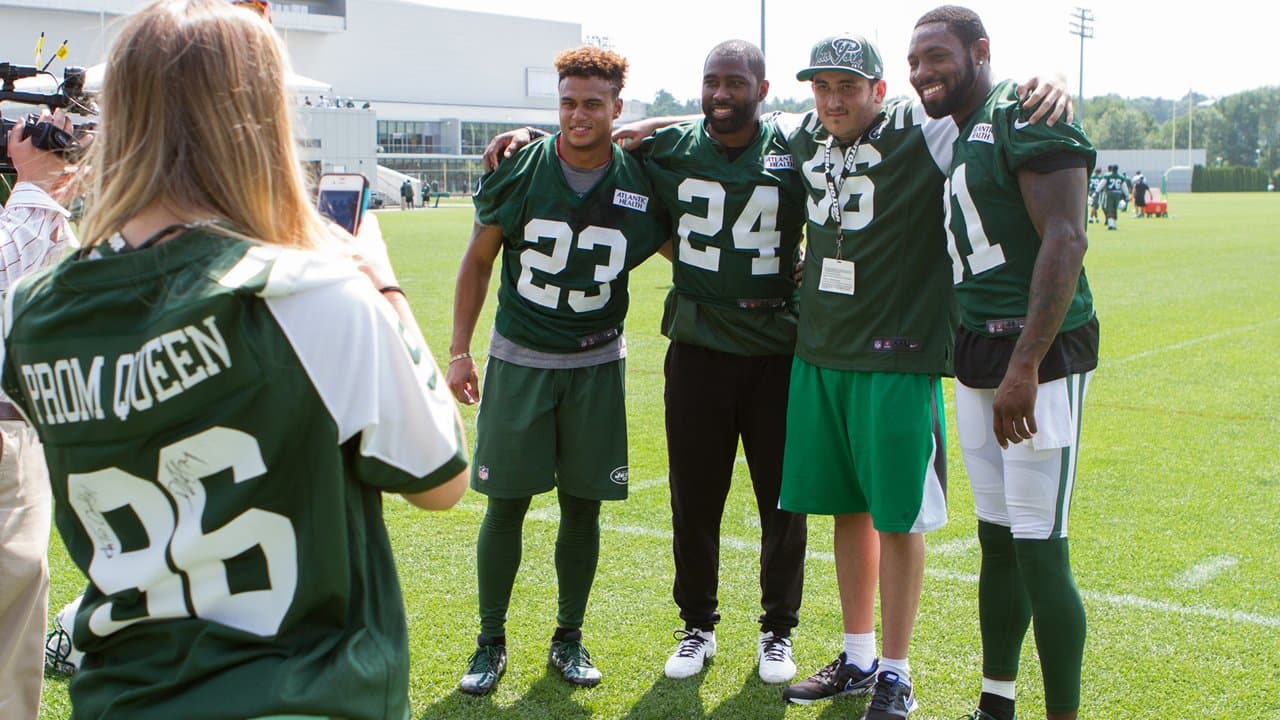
(1203, 572)
(1128, 601)
(1189, 343)
(1212, 567)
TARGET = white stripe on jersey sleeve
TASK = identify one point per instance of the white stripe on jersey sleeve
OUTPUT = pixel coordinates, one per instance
(939, 134)
(292, 271)
(350, 343)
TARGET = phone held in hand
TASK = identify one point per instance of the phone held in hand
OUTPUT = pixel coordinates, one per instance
(343, 199)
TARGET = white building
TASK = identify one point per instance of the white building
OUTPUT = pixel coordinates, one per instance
(439, 82)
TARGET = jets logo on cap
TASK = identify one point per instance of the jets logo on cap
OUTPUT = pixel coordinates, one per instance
(841, 51)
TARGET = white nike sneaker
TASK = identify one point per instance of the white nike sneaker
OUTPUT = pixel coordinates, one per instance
(691, 655)
(774, 657)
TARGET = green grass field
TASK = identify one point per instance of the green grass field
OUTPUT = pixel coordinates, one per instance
(1174, 531)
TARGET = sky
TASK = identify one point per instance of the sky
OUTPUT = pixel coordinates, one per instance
(1138, 48)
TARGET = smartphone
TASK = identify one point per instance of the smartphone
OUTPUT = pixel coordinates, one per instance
(343, 199)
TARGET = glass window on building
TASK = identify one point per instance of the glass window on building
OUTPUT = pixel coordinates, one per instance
(400, 136)
(476, 135)
(456, 176)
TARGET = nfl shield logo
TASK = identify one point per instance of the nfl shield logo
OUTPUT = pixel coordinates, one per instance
(483, 472)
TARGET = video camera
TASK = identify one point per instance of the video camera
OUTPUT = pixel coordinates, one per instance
(70, 96)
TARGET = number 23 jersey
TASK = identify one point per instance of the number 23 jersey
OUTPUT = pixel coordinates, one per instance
(565, 258)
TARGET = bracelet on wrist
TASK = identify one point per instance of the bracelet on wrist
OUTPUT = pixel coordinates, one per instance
(460, 356)
(394, 289)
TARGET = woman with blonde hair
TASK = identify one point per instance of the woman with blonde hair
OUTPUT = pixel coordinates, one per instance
(222, 402)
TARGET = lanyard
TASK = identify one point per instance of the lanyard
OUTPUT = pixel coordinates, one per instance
(833, 189)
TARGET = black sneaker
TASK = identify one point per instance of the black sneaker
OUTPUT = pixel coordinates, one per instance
(978, 714)
(484, 669)
(835, 680)
(573, 661)
(891, 699)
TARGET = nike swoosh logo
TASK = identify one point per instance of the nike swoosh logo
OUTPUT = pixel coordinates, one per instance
(1019, 124)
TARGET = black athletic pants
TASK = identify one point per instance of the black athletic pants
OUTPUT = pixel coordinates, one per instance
(712, 398)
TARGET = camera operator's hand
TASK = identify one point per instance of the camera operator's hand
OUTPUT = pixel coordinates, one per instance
(41, 167)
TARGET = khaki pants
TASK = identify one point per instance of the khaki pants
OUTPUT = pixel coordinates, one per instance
(25, 508)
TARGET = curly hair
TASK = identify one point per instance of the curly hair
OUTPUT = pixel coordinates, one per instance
(591, 61)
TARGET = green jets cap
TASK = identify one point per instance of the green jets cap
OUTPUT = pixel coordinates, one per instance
(850, 53)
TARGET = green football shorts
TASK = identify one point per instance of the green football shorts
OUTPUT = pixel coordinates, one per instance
(866, 442)
(538, 429)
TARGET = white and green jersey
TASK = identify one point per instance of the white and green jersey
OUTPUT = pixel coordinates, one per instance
(899, 316)
(565, 258)
(1116, 184)
(220, 420)
(1096, 184)
(735, 225)
(992, 241)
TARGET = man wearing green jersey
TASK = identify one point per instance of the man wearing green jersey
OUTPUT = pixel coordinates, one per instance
(737, 208)
(571, 215)
(864, 419)
(1025, 351)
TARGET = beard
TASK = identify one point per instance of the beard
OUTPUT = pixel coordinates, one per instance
(743, 115)
(953, 96)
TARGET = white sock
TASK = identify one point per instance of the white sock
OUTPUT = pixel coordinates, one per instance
(899, 665)
(860, 649)
(1003, 688)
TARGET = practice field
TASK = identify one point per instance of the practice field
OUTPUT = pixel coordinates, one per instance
(1174, 529)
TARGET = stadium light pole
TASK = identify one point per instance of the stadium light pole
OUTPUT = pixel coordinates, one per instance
(762, 27)
(1082, 25)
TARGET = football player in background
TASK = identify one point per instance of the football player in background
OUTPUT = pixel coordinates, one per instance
(1115, 188)
(571, 215)
(217, 460)
(1097, 185)
(1025, 351)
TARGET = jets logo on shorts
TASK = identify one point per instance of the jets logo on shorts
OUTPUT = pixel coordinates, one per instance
(619, 475)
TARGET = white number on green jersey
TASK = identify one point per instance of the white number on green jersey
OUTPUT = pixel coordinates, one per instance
(755, 229)
(169, 514)
(983, 255)
(548, 294)
(860, 186)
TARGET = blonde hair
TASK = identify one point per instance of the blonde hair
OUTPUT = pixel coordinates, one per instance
(195, 117)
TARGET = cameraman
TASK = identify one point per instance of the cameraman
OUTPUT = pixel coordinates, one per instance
(33, 233)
